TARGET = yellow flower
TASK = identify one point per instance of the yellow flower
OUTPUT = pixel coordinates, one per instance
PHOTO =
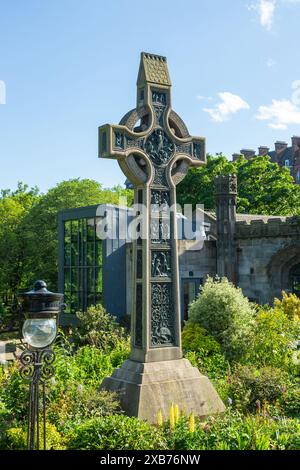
(176, 413)
(172, 417)
(160, 418)
(192, 423)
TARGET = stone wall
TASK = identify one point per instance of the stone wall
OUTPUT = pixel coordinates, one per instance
(201, 262)
(267, 250)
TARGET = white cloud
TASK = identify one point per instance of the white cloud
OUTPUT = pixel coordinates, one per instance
(230, 104)
(266, 10)
(280, 114)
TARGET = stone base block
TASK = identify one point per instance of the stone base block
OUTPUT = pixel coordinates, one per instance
(146, 388)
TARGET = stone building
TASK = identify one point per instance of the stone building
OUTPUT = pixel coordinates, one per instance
(282, 154)
(260, 254)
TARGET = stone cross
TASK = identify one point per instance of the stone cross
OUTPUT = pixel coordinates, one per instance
(154, 149)
(155, 157)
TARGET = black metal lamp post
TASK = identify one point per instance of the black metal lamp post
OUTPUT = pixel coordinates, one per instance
(41, 310)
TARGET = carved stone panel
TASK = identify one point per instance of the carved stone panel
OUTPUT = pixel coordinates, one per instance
(160, 198)
(162, 319)
(159, 97)
(159, 147)
(160, 177)
(119, 140)
(159, 115)
(160, 231)
(160, 263)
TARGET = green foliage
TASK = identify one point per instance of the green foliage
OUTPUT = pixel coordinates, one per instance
(233, 431)
(14, 206)
(289, 305)
(251, 388)
(275, 340)
(79, 404)
(88, 365)
(29, 228)
(195, 338)
(16, 438)
(226, 314)
(290, 401)
(116, 432)
(40, 226)
(203, 351)
(263, 187)
(14, 392)
(100, 329)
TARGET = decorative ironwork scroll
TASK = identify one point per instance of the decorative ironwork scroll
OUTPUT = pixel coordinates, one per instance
(36, 368)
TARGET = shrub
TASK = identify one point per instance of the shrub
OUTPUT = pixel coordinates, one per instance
(14, 392)
(251, 389)
(16, 438)
(275, 340)
(233, 431)
(88, 365)
(203, 351)
(98, 328)
(195, 338)
(116, 432)
(290, 305)
(80, 404)
(290, 401)
(226, 314)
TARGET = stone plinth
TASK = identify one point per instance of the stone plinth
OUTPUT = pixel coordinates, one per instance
(146, 388)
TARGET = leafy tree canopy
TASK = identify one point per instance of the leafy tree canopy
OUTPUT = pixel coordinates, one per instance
(29, 228)
(263, 187)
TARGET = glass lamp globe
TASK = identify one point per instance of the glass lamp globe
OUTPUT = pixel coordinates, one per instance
(39, 332)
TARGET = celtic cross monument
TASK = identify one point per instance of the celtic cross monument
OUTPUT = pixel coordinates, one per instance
(154, 149)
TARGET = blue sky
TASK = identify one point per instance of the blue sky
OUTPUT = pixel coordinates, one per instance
(69, 66)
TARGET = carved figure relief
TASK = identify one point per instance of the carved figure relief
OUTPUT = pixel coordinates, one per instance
(160, 264)
(159, 97)
(160, 198)
(119, 140)
(160, 230)
(160, 177)
(159, 147)
(197, 150)
(159, 112)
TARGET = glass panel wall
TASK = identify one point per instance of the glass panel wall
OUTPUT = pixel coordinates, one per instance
(82, 264)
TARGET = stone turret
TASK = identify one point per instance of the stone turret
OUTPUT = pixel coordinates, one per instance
(226, 196)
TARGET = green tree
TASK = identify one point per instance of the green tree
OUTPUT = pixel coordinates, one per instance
(14, 206)
(40, 225)
(198, 186)
(263, 187)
